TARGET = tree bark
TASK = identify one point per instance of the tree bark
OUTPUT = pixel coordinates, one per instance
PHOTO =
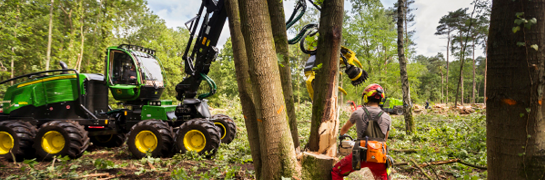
(407, 108)
(48, 56)
(82, 34)
(515, 93)
(324, 122)
(448, 45)
(461, 81)
(485, 71)
(442, 84)
(317, 166)
(244, 83)
(276, 10)
(12, 47)
(474, 83)
(276, 143)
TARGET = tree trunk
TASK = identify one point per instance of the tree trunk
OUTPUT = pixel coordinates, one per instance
(82, 34)
(324, 122)
(244, 83)
(461, 80)
(473, 89)
(12, 47)
(48, 56)
(281, 44)
(485, 70)
(276, 143)
(407, 108)
(514, 116)
(446, 78)
(317, 166)
(442, 85)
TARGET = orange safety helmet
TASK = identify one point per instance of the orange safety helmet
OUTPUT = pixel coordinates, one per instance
(374, 91)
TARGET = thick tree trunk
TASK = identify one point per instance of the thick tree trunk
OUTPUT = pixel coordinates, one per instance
(48, 55)
(515, 123)
(276, 143)
(474, 83)
(317, 166)
(324, 121)
(407, 109)
(244, 83)
(276, 10)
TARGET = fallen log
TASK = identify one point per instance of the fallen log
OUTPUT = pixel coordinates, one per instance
(316, 166)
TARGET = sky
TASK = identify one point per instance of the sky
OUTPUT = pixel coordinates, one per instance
(177, 12)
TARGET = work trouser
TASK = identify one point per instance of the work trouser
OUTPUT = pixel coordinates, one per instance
(344, 168)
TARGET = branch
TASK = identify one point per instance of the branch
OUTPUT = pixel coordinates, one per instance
(471, 165)
(428, 176)
(95, 175)
(443, 162)
(405, 150)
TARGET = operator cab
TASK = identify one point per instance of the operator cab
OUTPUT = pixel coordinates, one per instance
(134, 73)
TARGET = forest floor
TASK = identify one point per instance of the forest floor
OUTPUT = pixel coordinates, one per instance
(439, 137)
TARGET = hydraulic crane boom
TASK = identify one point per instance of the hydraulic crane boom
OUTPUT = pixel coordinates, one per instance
(203, 50)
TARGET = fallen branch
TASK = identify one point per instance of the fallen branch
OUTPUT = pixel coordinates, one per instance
(95, 175)
(428, 176)
(109, 177)
(151, 165)
(475, 166)
(443, 162)
(405, 150)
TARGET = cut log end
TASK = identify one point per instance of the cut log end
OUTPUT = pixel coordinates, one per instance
(317, 166)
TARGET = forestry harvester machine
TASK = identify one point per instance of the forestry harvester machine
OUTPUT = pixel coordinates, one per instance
(59, 112)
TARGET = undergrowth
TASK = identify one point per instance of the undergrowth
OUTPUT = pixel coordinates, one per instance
(438, 137)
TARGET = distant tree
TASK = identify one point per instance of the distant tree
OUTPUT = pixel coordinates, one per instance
(48, 56)
(447, 27)
(407, 109)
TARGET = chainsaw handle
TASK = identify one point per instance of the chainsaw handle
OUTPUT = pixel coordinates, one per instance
(344, 136)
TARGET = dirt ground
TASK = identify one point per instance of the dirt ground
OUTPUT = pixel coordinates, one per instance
(122, 166)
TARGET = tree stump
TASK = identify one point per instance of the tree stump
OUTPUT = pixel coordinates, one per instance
(317, 166)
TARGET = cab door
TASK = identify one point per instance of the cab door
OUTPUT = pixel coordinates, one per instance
(122, 75)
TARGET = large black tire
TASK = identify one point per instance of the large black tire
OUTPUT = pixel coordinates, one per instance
(227, 127)
(17, 136)
(47, 141)
(201, 135)
(398, 110)
(151, 136)
(112, 140)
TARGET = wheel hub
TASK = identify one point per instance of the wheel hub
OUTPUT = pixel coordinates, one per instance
(194, 140)
(223, 130)
(6, 142)
(146, 141)
(53, 142)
